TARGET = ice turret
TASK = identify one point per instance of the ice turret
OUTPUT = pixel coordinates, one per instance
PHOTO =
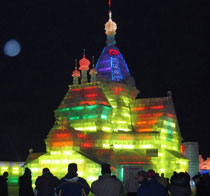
(84, 67)
(111, 64)
(76, 74)
(93, 72)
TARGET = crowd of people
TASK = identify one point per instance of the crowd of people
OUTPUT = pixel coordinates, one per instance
(141, 184)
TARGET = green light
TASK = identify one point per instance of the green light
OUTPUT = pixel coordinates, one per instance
(104, 116)
(74, 118)
(63, 109)
(78, 108)
(90, 116)
(92, 107)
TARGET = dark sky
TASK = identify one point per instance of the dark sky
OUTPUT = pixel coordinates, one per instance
(165, 44)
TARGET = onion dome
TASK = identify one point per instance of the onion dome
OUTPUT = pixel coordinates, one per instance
(110, 26)
(84, 63)
(93, 70)
(76, 73)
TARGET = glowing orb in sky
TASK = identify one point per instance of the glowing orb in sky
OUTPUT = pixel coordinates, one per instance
(12, 48)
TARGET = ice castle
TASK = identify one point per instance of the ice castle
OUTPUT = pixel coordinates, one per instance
(101, 121)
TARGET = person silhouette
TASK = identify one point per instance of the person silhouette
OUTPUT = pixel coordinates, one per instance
(71, 184)
(107, 185)
(3, 184)
(25, 184)
(46, 184)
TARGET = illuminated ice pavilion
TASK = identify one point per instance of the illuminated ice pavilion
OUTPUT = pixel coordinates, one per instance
(100, 120)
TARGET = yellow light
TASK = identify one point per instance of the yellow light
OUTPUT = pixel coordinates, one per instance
(105, 145)
(125, 114)
(91, 178)
(53, 152)
(128, 146)
(162, 170)
(67, 152)
(121, 122)
(4, 168)
(117, 146)
(65, 161)
(15, 172)
(34, 169)
(106, 129)
(146, 146)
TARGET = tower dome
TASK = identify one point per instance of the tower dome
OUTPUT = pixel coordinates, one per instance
(84, 63)
(110, 26)
(76, 73)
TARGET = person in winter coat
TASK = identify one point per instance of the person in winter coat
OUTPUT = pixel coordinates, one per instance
(46, 184)
(151, 187)
(25, 184)
(179, 185)
(3, 184)
(132, 185)
(107, 185)
(71, 184)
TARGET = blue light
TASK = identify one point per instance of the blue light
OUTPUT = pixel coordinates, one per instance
(12, 48)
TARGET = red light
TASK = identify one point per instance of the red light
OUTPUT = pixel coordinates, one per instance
(157, 114)
(170, 115)
(117, 90)
(62, 144)
(139, 109)
(63, 135)
(157, 107)
(86, 145)
(103, 103)
(80, 135)
(125, 137)
(91, 87)
(76, 89)
(88, 102)
(113, 52)
(144, 115)
(144, 130)
(182, 148)
(90, 95)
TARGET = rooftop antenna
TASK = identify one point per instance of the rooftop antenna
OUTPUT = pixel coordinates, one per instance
(84, 52)
(93, 61)
(75, 63)
(109, 3)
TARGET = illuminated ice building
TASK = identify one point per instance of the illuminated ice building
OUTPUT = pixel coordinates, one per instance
(101, 121)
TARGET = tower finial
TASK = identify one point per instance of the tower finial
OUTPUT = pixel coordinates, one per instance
(75, 63)
(84, 52)
(110, 26)
(109, 5)
(93, 61)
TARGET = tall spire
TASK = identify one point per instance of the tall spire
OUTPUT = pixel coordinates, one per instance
(110, 28)
(93, 71)
(111, 64)
(84, 67)
(75, 74)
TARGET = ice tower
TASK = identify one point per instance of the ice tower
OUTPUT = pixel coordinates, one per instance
(101, 121)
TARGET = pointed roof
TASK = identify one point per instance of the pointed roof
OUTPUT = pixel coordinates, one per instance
(86, 95)
(111, 64)
(84, 63)
(76, 73)
(93, 70)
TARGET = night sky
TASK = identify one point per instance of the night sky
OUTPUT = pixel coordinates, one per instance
(163, 42)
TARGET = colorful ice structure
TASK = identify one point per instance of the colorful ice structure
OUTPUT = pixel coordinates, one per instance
(191, 151)
(15, 169)
(101, 121)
